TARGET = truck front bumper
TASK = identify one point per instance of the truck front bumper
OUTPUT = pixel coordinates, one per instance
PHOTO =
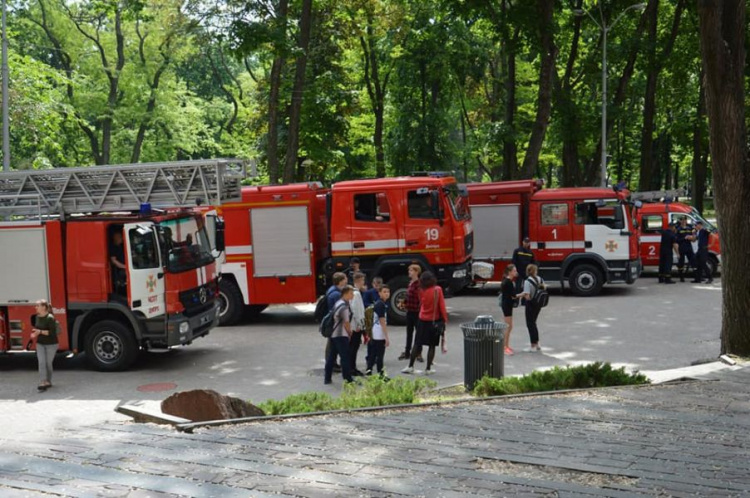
(183, 329)
(455, 277)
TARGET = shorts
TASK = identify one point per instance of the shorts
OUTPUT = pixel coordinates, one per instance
(507, 309)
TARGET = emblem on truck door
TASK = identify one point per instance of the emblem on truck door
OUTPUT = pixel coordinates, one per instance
(151, 283)
(611, 246)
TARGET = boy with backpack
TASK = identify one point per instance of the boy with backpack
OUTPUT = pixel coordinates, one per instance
(536, 297)
(340, 335)
(379, 336)
(326, 303)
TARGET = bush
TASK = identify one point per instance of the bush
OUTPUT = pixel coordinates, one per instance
(372, 391)
(577, 377)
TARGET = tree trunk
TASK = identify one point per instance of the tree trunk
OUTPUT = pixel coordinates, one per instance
(568, 112)
(649, 104)
(698, 165)
(722, 39)
(649, 180)
(273, 99)
(544, 104)
(295, 110)
(510, 150)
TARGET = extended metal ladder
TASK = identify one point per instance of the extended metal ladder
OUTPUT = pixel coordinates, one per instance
(657, 195)
(123, 187)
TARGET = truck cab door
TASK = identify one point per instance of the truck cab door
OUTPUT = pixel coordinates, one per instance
(605, 231)
(651, 227)
(550, 231)
(374, 228)
(146, 287)
(426, 229)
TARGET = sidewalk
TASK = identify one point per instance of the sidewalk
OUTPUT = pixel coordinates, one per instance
(678, 439)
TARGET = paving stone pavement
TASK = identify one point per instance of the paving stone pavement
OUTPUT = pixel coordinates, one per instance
(679, 439)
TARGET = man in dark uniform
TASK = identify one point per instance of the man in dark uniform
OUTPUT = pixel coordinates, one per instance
(701, 270)
(666, 253)
(523, 257)
(685, 238)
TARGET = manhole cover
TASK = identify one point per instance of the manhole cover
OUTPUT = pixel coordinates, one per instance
(157, 387)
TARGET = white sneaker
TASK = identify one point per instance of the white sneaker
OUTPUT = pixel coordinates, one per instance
(429, 371)
(418, 372)
(408, 370)
(533, 349)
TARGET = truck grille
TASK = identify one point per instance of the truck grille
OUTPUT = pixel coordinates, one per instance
(198, 299)
(469, 243)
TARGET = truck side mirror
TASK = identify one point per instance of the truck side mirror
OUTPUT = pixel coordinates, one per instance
(219, 234)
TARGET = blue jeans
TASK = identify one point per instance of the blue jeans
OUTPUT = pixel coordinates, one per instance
(340, 346)
(45, 353)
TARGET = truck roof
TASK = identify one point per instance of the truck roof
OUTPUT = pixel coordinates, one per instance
(291, 188)
(398, 181)
(509, 187)
(665, 207)
(572, 193)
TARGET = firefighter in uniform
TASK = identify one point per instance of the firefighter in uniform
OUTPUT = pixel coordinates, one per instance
(523, 257)
(701, 270)
(666, 253)
(685, 238)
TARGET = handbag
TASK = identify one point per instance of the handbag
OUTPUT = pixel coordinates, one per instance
(437, 324)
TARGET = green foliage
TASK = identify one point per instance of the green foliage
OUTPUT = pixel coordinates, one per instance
(576, 377)
(371, 391)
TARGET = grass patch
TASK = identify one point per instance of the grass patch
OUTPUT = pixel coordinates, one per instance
(577, 377)
(370, 391)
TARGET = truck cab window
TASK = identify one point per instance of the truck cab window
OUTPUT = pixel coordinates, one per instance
(652, 224)
(372, 207)
(554, 214)
(143, 250)
(420, 205)
(608, 214)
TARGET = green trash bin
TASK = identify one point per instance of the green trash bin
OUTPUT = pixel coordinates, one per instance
(483, 349)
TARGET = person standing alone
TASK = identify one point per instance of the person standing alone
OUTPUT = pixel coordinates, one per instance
(522, 258)
(45, 333)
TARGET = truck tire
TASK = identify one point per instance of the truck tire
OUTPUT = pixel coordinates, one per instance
(586, 280)
(398, 286)
(230, 298)
(110, 346)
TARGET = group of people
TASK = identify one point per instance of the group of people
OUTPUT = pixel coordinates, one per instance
(349, 298)
(678, 238)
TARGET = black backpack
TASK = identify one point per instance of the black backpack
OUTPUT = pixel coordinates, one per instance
(541, 296)
(321, 307)
(328, 323)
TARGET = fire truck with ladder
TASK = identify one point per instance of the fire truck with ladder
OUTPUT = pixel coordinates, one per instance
(64, 229)
(582, 235)
(284, 242)
(660, 208)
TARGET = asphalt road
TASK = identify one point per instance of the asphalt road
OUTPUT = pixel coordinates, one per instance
(645, 326)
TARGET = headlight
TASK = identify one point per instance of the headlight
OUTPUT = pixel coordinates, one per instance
(459, 273)
(184, 327)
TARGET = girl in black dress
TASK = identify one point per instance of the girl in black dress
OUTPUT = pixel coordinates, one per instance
(507, 298)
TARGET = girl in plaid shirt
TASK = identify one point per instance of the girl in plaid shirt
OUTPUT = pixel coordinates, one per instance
(412, 304)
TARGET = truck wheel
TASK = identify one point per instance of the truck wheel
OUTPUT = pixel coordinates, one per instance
(230, 299)
(586, 280)
(398, 285)
(110, 346)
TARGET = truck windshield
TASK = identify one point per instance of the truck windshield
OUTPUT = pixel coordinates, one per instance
(184, 244)
(459, 201)
(708, 225)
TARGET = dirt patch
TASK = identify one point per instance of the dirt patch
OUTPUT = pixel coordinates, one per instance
(557, 474)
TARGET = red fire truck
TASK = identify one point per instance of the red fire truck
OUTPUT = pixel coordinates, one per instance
(653, 217)
(283, 243)
(66, 226)
(580, 235)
